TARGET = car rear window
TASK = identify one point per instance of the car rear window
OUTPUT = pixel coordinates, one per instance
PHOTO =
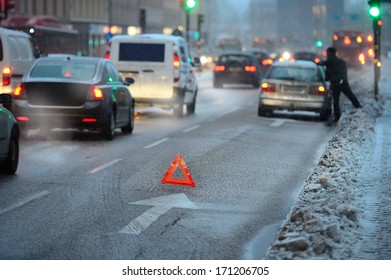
(292, 73)
(141, 52)
(75, 71)
(235, 59)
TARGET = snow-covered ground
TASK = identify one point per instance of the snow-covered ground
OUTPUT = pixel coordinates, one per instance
(343, 211)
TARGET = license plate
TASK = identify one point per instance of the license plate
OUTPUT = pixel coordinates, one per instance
(296, 89)
(235, 69)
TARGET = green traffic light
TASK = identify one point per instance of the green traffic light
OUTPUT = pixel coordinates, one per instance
(190, 5)
(319, 44)
(374, 12)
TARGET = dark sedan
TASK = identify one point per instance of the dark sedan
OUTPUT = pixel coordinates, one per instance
(64, 91)
(236, 68)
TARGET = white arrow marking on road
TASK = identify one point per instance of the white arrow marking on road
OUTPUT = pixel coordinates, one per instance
(161, 205)
(277, 123)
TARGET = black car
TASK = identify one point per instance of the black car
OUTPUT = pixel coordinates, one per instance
(264, 59)
(65, 91)
(9, 137)
(307, 55)
(236, 68)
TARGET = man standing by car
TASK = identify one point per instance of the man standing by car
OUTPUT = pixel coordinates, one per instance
(337, 74)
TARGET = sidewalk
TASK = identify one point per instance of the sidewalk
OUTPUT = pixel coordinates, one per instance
(343, 210)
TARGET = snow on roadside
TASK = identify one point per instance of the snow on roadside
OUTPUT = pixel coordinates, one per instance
(326, 220)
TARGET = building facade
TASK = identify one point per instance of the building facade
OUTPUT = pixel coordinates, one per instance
(98, 20)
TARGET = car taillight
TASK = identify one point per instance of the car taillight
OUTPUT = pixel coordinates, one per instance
(177, 64)
(267, 87)
(318, 90)
(95, 94)
(19, 91)
(89, 120)
(267, 61)
(361, 57)
(317, 60)
(176, 61)
(250, 68)
(219, 68)
(107, 55)
(22, 118)
(7, 76)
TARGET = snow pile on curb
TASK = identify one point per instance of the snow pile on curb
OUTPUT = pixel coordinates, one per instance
(325, 221)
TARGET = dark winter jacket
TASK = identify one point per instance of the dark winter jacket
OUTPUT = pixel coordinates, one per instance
(336, 70)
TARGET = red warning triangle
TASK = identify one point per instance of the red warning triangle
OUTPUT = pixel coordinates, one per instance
(187, 179)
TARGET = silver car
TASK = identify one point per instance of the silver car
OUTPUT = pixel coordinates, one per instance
(9, 138)
(295, 85)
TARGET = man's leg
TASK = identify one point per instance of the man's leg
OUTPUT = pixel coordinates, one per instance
(349, 94)
(337, 110)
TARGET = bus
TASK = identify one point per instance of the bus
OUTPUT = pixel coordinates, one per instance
(50, 40)
(351, 46)
(49, 36)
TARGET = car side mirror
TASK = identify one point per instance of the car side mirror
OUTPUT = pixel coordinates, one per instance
(5, 99)
(129, 81)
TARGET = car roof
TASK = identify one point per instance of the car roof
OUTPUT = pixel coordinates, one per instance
(70, 57)
(245, 53)
(296, 63)
(13, 32)
(152, 36)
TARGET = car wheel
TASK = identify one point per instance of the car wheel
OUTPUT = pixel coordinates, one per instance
(130, 126)
(11, 163)
(325, 115)
(261, 111)
(109, 128)
(217, 84)
(190, 108)
(178, 110)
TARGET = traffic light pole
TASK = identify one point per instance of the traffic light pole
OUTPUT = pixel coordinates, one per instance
(187, 25)
(376, 61)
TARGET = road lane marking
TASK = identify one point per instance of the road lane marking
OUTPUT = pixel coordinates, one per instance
(156, 143)
(99, 168)
(24, 201)
(277, 123)
(161, 205)
(191, 128)
(222, 115)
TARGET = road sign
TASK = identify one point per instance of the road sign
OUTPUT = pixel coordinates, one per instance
(187, 180)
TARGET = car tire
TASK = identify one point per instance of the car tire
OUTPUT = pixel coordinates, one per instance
(217, 84)
(130, 126)
(325, 115)
(178, 109)
(11, 164)
(190, 108)
(109, 128)
(261, 111)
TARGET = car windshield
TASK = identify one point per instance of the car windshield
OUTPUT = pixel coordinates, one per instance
(77, 71)
(292, 73)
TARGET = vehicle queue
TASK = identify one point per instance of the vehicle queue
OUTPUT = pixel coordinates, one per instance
(97, 94)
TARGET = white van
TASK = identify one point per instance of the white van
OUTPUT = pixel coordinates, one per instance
(16, 57)
(161, 67)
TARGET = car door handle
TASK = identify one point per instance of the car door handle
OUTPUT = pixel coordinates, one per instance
(148, 71)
